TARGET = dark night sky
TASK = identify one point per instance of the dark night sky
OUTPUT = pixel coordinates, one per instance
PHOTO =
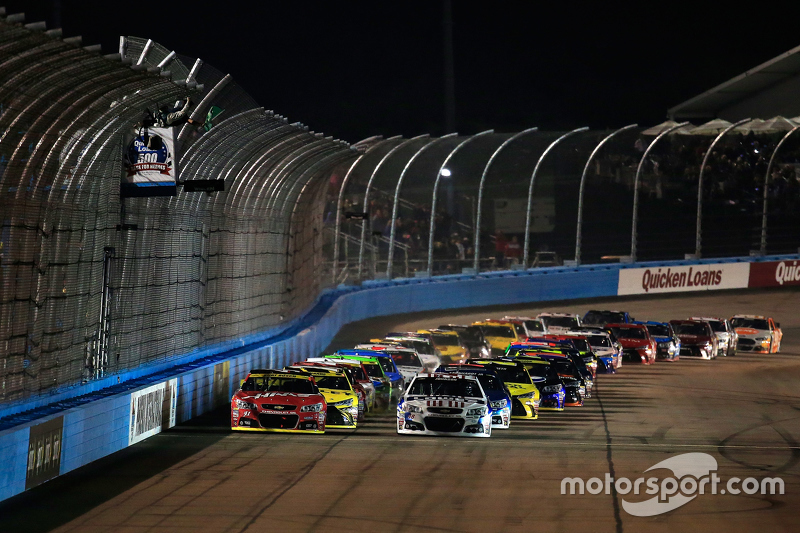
(354, 69)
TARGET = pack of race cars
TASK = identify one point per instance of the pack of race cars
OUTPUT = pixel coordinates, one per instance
(467, 380)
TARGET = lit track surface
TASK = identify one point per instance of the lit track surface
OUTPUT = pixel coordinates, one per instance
(744, 411)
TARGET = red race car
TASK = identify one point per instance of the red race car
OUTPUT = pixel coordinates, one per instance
(697, 338)
(637, 344)
(278, 401)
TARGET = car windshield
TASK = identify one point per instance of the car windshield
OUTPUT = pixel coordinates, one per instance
(332, 382)
(601, 318)
(445, 340)
(489, 382)
(373, 370)
(386, 364)
(580, 344)
(420, 346)
(659, 330)
(539, 370)
(279, 384)
(753, 323)
(498, 331)
(471, 334)
(599, 341)
(359, 374)
(534, 325)
(512, 374)
(437, 386)
(406, 359)
(630, 333)
(565, 367)
(717, 326)
(561, 321)
(691, 328)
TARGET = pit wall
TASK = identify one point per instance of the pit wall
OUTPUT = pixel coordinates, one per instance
(52, 439)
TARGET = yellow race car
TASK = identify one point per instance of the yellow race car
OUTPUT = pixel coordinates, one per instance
(341, 399)
(448, 344)
(499, 334)
(524, 393)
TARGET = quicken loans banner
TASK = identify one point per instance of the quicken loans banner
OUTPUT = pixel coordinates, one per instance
(153, 409)
(657, 280)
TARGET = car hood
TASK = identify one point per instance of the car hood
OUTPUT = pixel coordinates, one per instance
(633, 343)
(260, 398)
(751, 331)
(695, 339)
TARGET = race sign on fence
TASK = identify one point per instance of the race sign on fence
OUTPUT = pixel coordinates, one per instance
(683, 278)
(150, 163)
(153, 409)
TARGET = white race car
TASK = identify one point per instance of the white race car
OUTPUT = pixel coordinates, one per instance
(446, 405)
(407, 361)
(559, 323)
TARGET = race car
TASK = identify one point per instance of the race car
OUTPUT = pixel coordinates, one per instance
(544, 375)
(386, 362)
(757, 333)
(697, 339)
(358, 376)
(525, 394)
(603, 348)
(494, 388)
(567, 370)
(534, 327)
(350, 372)
(447, 344)
(278, 401)
(727, 339)
(341, 399)
(419, 343)
(668, 345)
(499, 334)
(637, 344)
(452, 405)
(565, 346)
(559, 323)
(406, 360)
(601, 318)
(472, 339)
(374, 371)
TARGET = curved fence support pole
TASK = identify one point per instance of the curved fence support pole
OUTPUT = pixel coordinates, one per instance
(336, 234)
(477, 246)
(763, 247)
(436, 188)
(525, 248)
(597, 148)
(392, 231)
(698, 238)
(635, 221)
(366, 196)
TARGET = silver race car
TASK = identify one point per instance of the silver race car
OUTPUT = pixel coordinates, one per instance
(446, 405)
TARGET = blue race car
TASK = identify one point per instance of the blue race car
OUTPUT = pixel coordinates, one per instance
(493, 386)
(389, 368)
(667, 342)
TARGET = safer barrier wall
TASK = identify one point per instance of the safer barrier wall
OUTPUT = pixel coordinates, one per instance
(62, 440)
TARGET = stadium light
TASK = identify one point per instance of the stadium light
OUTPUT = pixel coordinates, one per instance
(446, 173)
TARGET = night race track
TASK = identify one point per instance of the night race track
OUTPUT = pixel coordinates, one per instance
(744, 411)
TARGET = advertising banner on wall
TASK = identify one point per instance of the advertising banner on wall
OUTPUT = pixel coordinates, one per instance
(657, 280)
(153, 409)
(150, 163)
(44, 452)
(775, 274)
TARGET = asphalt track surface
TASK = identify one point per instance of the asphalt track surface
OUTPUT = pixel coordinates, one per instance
(744, 411)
